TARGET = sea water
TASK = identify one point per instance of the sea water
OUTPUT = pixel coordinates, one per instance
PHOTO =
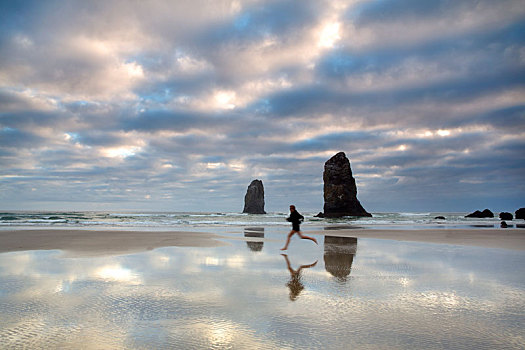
(188, 221)
(346, 293)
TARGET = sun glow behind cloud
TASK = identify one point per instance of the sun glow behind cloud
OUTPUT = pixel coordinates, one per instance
(134, 70)
(120, 152)
(225, 99)
(330, 34)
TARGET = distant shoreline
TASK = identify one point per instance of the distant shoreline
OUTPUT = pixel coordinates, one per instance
(206, 221)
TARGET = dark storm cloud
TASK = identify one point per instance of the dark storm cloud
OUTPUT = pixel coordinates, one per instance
(494, 51)
(511, 119)
(165, 120)
(32, 119)
(157, 120)
(97, 138)
(10, 101)
(315, 99)
(20, 139)
(346, 140)
(376, 11)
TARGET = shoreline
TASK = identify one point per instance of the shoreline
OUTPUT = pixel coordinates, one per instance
(80, 243)
(513, 239)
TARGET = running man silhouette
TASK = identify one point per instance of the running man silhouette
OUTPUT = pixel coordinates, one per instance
(295, 218)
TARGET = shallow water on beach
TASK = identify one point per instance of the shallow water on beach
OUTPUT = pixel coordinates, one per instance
(344, 293)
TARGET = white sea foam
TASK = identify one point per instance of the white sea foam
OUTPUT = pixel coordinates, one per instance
(184, 220)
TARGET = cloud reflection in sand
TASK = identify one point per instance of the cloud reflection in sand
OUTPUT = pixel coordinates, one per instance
(371, 293)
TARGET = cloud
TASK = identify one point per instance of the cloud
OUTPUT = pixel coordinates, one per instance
(17, 138)
(117, 102)
(409, 22)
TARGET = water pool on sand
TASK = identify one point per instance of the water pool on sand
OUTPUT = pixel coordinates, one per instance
(344, 293)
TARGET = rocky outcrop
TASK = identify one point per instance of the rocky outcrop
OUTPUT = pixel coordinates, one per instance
(254, 198)
(340, 190)
(505, 216)
(520, 213)
(481, 214)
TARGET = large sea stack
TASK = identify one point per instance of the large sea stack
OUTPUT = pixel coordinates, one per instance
(254, 199)
(340, 190)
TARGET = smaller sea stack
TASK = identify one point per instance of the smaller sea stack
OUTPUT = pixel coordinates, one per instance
(254, 198)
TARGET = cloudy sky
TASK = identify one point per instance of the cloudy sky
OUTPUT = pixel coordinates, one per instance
(178, 105)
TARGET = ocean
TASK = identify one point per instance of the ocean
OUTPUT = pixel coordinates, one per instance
(195, 220)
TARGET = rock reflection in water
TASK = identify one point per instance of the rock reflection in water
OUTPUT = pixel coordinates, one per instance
(295, 284)
(338, 255)
(258, 232)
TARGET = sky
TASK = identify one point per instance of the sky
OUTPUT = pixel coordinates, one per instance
(179, 105)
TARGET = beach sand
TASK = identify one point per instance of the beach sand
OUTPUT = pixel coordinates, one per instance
(99, 243)
(108, 242)
(109, 289)
(488, 238)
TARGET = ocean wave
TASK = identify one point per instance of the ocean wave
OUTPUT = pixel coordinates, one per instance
(414, 214)
(180, 220)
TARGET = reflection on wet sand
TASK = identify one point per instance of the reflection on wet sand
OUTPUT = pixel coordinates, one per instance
(338, 255)
(341, 227)
(258, 232)
(404, 296)
(295, 284)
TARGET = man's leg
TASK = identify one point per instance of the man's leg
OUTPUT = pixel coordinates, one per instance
(307, 237)
(288, 240)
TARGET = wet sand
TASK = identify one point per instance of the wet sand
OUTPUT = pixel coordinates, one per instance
(488, 238)
(99, 243)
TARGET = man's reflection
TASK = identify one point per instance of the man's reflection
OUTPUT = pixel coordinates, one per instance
(295, 284)
(338, 256)
(254, 232)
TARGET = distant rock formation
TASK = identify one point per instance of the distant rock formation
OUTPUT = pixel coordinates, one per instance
(340, 190)
(440, 218)
(481, 214)
(520, 213)
(505, 216)
(254, 198)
